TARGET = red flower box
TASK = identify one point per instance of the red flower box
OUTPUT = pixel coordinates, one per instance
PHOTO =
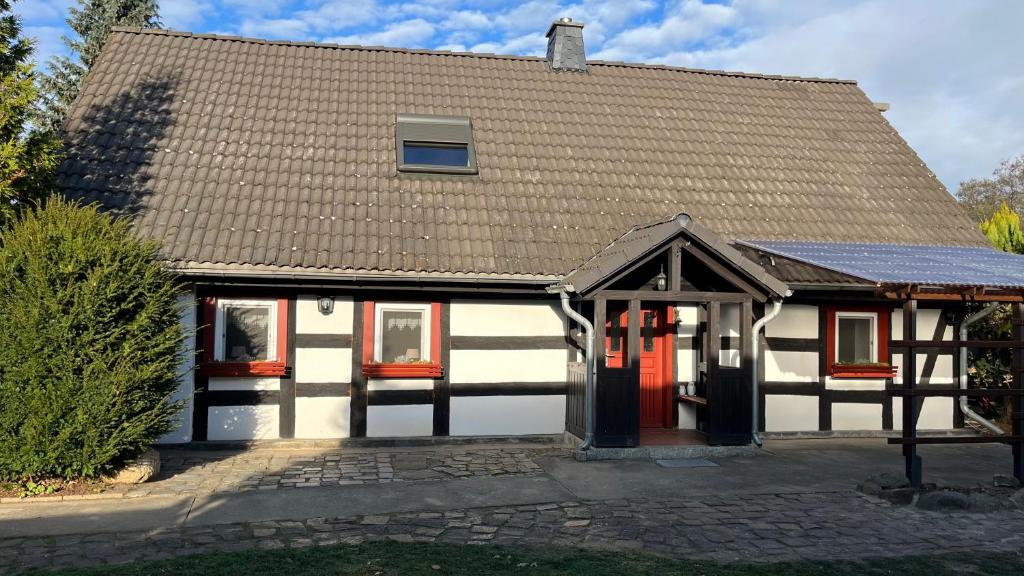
(862, 371)
(380, 370)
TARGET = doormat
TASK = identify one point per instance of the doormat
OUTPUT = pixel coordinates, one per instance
(686, 463)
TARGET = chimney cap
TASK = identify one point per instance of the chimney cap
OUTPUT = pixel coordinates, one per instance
(563, 21)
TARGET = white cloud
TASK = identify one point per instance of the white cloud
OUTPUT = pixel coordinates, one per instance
(336, 15)
(951, 70)
(467, 19)
(525, 45)
(685, 23)
(407, 34)
(275, 28)
(185, 14)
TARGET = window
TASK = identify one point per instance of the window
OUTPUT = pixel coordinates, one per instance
(855, 337)
(424, 153)
(857, 342)
(246, 331)
(245, 337)
(402, 334)
(402, 339)
(439, 144)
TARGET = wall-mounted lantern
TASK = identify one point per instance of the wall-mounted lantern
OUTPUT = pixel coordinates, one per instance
(325, 304)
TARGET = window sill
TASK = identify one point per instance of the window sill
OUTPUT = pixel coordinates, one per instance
(862, 371)
(218, 369)
(402, 370)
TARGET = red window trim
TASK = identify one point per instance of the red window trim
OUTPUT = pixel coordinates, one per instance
(881, 370)
(210, 367)
(373, 369)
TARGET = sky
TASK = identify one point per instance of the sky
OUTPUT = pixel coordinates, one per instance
(952, 70)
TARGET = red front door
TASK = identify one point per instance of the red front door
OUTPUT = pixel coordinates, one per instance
(655, 361)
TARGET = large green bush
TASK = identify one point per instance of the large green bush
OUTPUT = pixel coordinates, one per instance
(89, 343)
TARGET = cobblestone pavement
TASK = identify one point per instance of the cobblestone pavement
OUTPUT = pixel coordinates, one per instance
(745, 527)
(197, 472)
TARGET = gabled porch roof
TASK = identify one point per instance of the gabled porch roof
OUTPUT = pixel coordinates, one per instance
(641, 242)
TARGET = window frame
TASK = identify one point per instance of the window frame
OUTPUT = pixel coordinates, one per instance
(378, 335)
(873, 345)
(373, 368)
(444, 131)
(212, 362)
(880, 367)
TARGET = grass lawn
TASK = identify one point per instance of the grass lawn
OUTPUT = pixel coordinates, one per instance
(392, 558)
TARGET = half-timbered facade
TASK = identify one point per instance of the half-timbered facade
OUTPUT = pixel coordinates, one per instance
(384, 243)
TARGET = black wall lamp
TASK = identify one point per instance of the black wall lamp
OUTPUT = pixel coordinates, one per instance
(325, 304)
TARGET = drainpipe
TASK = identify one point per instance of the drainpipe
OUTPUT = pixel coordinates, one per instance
(768, 317)
(591, 363)
(963, 368)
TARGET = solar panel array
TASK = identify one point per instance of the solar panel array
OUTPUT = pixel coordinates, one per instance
(899, 264)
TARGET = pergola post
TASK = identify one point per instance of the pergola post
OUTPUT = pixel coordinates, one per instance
(1017, 410)
(910, 402)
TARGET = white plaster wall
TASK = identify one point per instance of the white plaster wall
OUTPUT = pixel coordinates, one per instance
(785, 366)
(506, 318)
(322, 417)
(927, 321)
(314, 365)
(686, 360)
(507, 415)
(309, 320)
(936, 414)
(791, 413)
(794, 321)
(400, 384)
(182, 428)
(411, 420)
(219, 384)
(508, 365)
(850, 416)
(730, 326)
(687, 417)
(243, 422)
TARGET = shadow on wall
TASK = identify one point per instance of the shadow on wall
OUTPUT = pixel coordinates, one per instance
(109, 148)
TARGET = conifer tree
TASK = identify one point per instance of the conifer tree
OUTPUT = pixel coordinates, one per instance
(91, 22)
(27, 155)
(1003, 230)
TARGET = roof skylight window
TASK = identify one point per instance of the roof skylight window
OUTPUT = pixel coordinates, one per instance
(437, 144)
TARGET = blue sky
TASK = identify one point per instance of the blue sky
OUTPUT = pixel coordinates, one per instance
(951, 69)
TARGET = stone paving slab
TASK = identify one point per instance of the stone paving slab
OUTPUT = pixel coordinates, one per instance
(760, 528)
(205, 472)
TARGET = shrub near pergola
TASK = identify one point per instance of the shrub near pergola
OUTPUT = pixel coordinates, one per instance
(90, 343)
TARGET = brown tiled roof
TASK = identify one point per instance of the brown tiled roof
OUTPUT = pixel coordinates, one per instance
(245, 153)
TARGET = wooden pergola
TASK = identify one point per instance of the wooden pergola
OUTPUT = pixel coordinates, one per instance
(913, 395)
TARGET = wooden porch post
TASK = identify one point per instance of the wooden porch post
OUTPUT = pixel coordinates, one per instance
(910, 403)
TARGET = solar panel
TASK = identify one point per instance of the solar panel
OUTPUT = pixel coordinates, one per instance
(899, 264)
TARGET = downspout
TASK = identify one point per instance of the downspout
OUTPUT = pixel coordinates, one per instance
(591, 365)
(764, 320)
(963, 367)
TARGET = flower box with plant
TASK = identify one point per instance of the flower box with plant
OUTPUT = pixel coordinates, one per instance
(408, 369)
(862, 370)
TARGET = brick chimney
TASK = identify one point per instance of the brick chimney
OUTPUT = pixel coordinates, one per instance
(565, 46)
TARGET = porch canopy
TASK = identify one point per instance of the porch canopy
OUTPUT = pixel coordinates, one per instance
(637, 283)
(642, 244)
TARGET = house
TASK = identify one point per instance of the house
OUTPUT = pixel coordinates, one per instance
(384, 242)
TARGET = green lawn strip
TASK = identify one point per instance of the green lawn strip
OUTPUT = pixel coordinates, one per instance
(393, 558)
